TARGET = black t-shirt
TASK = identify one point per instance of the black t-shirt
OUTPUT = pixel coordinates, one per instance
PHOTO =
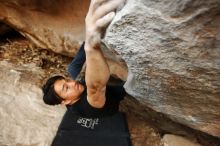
(114, 94)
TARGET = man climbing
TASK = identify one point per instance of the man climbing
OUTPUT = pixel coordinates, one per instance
(92, 98)
(92, 116)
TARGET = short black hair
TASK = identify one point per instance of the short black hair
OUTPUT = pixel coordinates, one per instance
(50, 97)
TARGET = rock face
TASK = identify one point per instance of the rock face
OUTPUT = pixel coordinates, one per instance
(24, 118)
(56, 25)
(172, 49)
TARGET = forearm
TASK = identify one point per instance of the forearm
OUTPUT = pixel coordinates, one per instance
(97, 70)
(100, 14)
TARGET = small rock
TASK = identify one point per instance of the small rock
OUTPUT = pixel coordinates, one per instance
(174, 140)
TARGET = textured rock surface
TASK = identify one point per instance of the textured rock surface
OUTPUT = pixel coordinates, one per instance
(56, 25)
(24, 118)
(172, 49)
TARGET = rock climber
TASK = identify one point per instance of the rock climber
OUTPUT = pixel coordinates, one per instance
(91, 96)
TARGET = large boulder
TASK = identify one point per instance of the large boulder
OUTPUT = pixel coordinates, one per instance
(172, 49)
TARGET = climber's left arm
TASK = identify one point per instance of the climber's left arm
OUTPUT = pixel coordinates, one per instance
(76, 65)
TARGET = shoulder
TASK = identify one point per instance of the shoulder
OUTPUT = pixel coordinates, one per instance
(85, 109)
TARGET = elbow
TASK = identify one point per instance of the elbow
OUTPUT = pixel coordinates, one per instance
(97, 85)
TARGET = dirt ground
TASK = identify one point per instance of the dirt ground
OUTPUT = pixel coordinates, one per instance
(21, 51)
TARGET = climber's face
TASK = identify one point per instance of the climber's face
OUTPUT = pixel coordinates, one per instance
(69, 90)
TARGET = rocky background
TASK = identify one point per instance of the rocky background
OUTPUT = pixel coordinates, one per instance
(170, 51)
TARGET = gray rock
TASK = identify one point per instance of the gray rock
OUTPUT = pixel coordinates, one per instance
(172, 50)
(25, 119)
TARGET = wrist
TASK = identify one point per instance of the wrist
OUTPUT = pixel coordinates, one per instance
(92, 45)
(87, 46)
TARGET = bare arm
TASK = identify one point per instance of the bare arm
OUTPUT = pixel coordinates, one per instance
(100, 14)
